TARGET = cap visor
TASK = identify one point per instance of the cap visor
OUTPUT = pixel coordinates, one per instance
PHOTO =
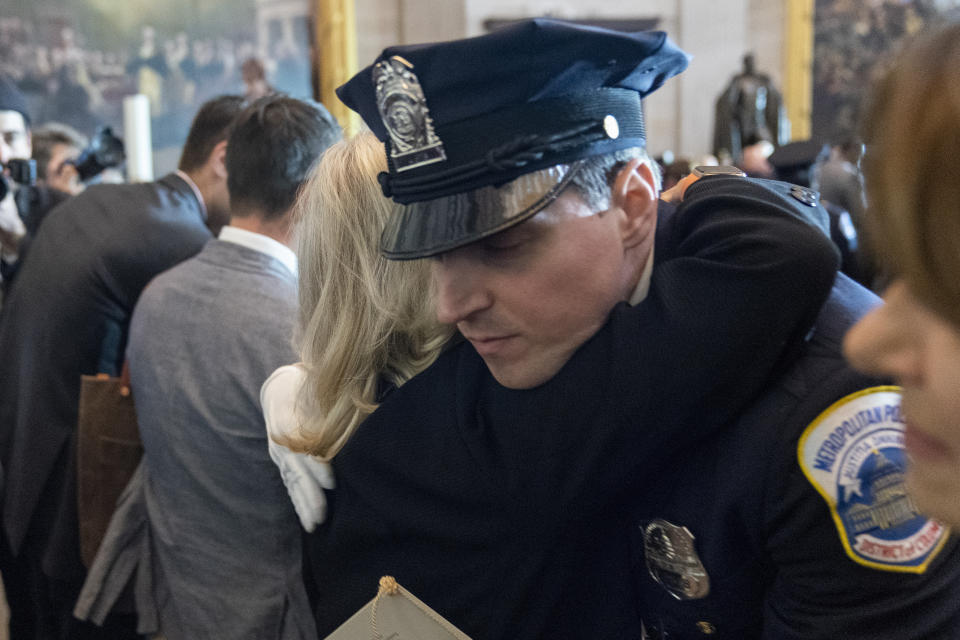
(424, 229)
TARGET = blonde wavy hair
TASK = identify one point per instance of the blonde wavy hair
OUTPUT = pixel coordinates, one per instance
(363, 319)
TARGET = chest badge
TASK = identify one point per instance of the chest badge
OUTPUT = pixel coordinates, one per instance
(853, 455)
(673, 562)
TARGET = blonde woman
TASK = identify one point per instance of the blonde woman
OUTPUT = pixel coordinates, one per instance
(913, 188)
(366, 324)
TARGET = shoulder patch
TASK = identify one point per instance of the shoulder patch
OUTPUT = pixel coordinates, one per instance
(853, 455)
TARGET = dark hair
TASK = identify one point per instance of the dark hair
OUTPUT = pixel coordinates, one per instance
(253, 69)
(271, 149)
(851, 148)
(12, 99)
(46, 137)
(210, 126)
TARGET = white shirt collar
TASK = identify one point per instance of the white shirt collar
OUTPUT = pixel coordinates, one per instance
(261, 243)
(196, 191)
(643, 287)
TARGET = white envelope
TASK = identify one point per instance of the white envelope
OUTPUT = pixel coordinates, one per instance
(396, 614)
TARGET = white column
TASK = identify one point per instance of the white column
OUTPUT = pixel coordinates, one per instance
(137, 142)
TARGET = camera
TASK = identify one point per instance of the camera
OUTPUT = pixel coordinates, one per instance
(105, 151)
(20, 171)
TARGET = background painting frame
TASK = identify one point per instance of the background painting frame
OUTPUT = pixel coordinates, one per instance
(76, 60)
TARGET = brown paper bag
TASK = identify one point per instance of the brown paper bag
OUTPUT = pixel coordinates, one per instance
(108, 451)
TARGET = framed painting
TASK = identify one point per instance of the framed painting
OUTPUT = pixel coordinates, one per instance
(76, 60)
(852, 41)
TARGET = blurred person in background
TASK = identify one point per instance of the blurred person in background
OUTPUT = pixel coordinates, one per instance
(24, 204)
(206, 514)
(67, 316)
(254, 77)
(55, 146)
(796, 163)
(839, 178)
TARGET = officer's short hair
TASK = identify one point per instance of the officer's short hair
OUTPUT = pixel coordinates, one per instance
(597, 173)
(272, 146)
(210, 126)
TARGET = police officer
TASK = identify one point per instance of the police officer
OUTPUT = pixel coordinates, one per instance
(795, 523)
(796, 163)
(500, 485)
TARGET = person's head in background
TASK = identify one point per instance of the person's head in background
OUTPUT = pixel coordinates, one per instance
(272, 146)
(15, 139)
(366, 323)
(795, 161)
(849, 150)
(912, 129)
(55, 146)
(674, 172)
(755, 161)
(254, 77)
(204, 154)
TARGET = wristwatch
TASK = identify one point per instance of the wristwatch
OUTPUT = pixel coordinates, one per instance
(723, 170)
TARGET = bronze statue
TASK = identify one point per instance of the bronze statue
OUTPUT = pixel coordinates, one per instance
(748, 111)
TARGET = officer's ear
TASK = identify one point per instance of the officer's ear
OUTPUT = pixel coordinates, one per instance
(634, 192)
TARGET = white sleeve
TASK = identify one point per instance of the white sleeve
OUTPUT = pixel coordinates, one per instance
(304, 476)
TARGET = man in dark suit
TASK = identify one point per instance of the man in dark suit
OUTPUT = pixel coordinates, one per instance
(69, 316)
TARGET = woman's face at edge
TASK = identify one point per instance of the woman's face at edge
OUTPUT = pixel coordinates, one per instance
(920, 350)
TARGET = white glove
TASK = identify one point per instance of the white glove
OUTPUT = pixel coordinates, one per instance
(304, 476)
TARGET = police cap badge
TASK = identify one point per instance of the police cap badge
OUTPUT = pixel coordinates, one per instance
(484, 132)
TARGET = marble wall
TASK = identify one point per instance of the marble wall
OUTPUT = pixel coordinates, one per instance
(680, 115)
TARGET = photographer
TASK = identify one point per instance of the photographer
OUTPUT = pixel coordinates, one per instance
(67, 315)
(63, 163)
(14, 143)
(23, 204)
(56, 147)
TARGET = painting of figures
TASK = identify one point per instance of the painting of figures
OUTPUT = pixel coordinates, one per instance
(77, 59)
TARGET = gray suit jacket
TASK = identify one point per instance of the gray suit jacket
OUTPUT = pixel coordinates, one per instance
(224, 541)
(67, 316)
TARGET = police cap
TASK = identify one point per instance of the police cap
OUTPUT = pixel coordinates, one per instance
(482, 133)
(797, 155)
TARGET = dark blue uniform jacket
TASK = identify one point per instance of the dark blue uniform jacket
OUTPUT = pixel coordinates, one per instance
(766, 539)
(485, 502)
